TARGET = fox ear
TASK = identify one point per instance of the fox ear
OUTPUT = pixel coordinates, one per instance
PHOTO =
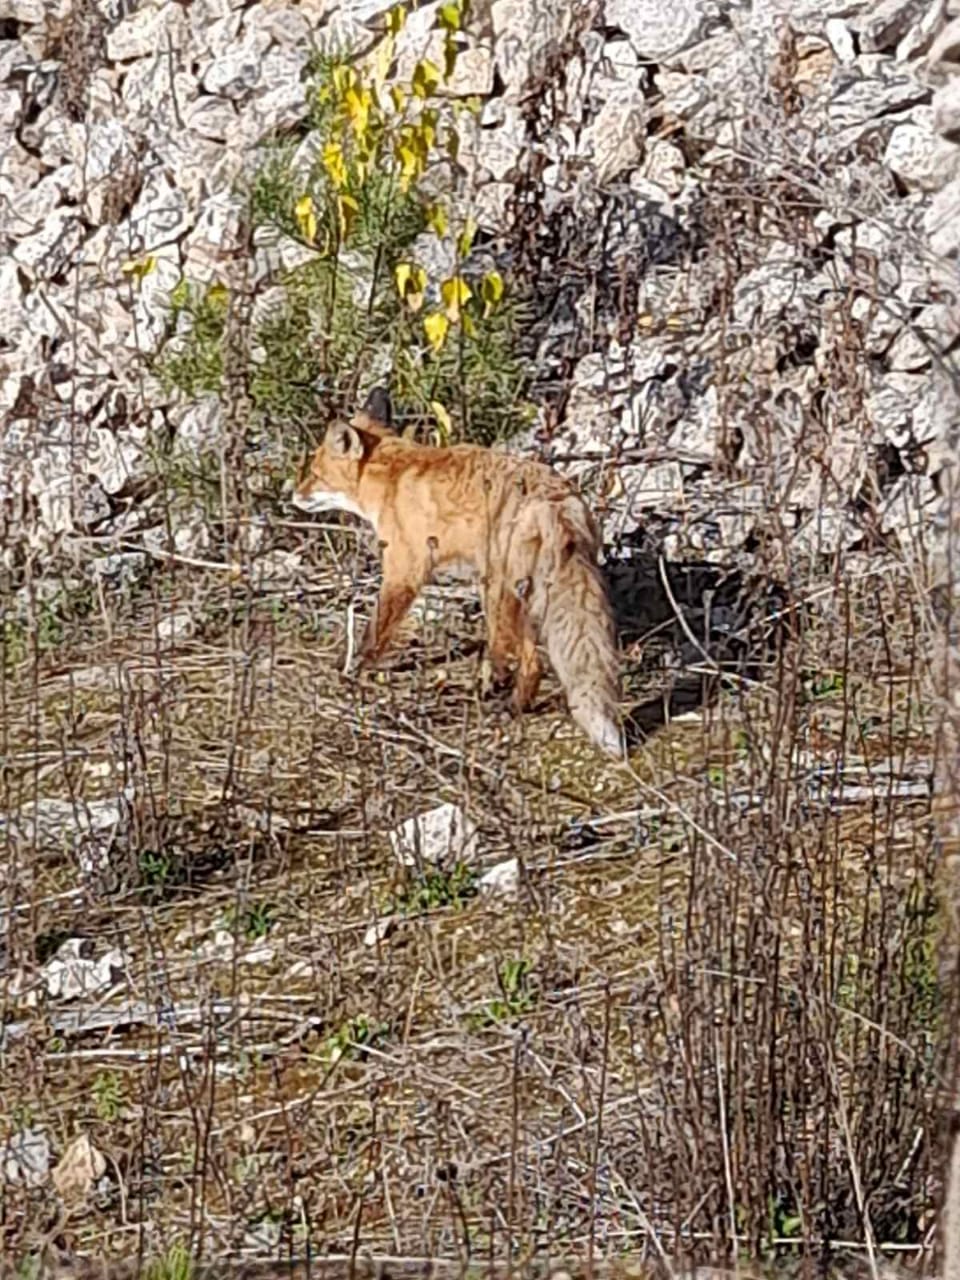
(344, 442)
(377, 406)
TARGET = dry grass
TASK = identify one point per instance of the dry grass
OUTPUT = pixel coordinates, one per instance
(722, 1034)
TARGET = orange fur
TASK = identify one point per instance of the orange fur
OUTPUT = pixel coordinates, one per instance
(516, 523)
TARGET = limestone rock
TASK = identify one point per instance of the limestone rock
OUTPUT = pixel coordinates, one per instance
(942, 220)
(656, 31)
(946, 111)
(888, 21)
(917, 156)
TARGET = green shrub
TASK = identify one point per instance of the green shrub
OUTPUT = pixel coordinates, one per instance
(348, 203)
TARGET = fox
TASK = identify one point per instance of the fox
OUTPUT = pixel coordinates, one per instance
(513, 523)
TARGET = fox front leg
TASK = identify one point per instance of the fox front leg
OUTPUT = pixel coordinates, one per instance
(397, 593)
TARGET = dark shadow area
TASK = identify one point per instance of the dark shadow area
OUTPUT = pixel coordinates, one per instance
(716, 620)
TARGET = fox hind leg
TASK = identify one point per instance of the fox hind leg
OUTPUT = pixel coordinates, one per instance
(503, 623)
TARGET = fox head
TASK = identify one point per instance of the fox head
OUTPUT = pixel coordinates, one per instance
(330, 480)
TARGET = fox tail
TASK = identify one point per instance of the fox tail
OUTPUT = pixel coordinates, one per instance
(570, 609)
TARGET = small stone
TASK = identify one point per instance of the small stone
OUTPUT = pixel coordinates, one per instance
(79, 1170)
(887, 22)
(441, 835)
(70, 974)
(176, 626)
(502, 878)
(379, 931)
(26, 1158)
(150, 29)
(615, 137)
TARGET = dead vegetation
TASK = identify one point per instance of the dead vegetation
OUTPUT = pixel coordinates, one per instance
(709, 1010)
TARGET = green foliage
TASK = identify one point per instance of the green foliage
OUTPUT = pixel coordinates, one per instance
(435, 889)
(158, 871)
(254, 921)
(107, 1095)
(516, 996)
(347, 206)
(174, 1264)
(350, 1039)
(196, 366)
(825, 684)
(53, 618)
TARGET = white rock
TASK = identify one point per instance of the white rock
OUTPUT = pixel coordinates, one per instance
(211, 117)
(176, 626)
(619, 68)
(525, 32)
(148, 95)
(236, 72)
(614, 139)
(379, 931)
(946, 47)
(841, 41)
(864, 104)
(214, 235)
(926, 336)
(152, 299)
(26, 1158)
(887, 22)
(52, 824)
(30, 206)
(942, 220)
(200, 429)
(919, 37)
(342, 34)
(285, 24)
(150, 30)
(665, 166)
(492, 203)
(70, 974)
(13, 317)
(656, 30)
(917, 156)
(891, 404)
(159, 216)
(441, 835)
(946, 110)
(47, 251)
(502, 878)
(280, 99)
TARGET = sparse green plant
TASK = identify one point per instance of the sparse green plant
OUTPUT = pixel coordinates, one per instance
(29, 1267)
(823, 685)
(352, 1037)
(174, 1264)
(516, 996)
(107, 1095)
(254, 921)
(434, 889)
(156, 869)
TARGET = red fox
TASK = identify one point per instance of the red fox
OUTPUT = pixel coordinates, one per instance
(518, 525)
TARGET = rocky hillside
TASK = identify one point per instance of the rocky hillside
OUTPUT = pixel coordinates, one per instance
(735, 227)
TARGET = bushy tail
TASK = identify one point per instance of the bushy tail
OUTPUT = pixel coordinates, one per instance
(571, 611)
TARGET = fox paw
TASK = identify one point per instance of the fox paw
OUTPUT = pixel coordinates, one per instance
(495, 679)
